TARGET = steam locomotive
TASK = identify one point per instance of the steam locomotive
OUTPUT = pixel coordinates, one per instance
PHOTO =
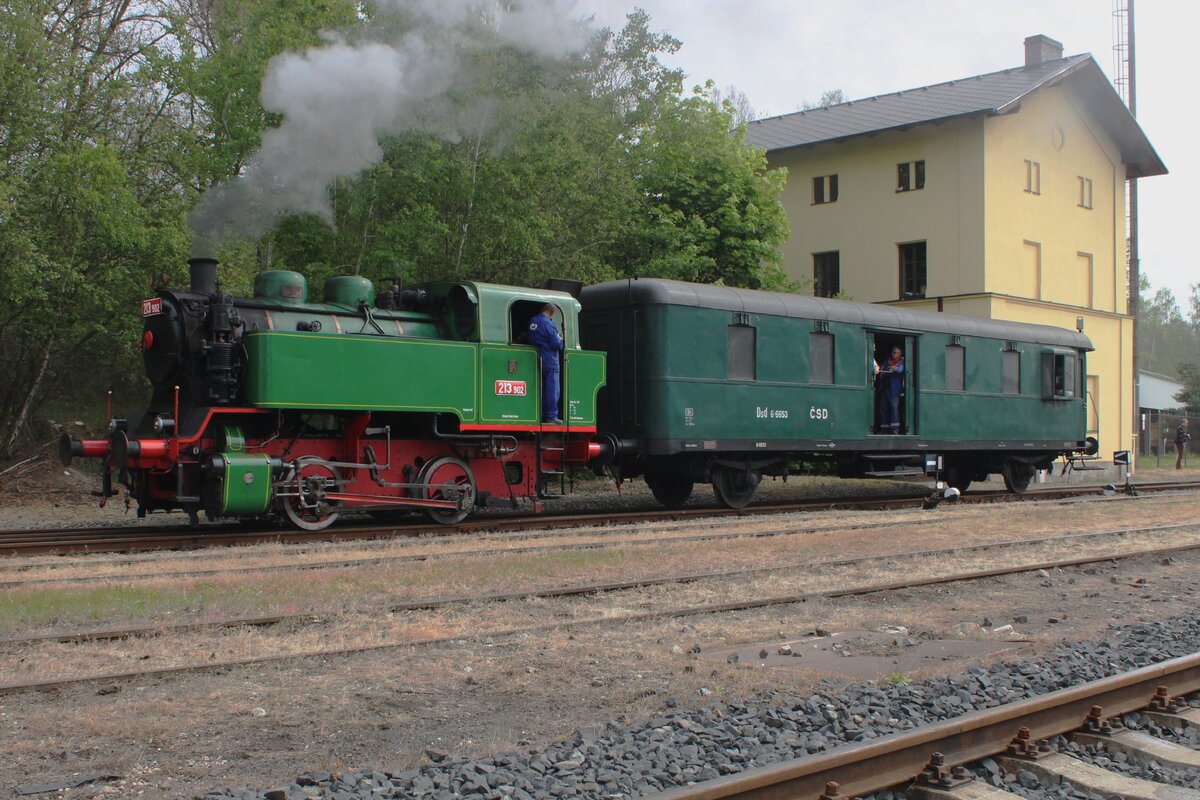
(428, 398)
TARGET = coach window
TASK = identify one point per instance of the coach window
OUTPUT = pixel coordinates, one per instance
(955, 368)
(1058, 375)
(1010, 365)
(820, 358)
(740, 353)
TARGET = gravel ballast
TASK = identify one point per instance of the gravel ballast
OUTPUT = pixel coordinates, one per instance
(681, 747)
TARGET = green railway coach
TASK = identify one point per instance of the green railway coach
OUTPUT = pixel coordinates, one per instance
(722, 385)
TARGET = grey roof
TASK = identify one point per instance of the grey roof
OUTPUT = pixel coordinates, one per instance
(980, 95)
(655, 291)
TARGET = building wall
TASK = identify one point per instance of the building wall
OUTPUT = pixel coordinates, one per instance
(1043, 246)
(871, 219)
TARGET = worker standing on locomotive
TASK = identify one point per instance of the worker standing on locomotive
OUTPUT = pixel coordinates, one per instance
(545, 337)
(892, 385)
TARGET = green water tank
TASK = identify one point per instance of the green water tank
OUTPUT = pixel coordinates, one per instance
(281, 286)
(349, 290)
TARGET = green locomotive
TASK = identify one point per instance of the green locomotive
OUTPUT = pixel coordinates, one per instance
(425, 398)
(710, 384)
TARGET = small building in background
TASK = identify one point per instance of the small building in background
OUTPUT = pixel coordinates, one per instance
(1156, 398)
(999, 195)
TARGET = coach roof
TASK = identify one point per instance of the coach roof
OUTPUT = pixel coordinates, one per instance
(655, 291)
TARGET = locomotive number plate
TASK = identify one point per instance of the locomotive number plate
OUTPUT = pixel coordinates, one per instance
(152, 306)
(510, 388)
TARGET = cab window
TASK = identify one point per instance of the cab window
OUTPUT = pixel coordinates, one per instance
(521, 311)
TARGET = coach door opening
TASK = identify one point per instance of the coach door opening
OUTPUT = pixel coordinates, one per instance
(892, 359)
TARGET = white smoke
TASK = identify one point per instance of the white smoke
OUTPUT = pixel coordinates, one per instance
(337, 100)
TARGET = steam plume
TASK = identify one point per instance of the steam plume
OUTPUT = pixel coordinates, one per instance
(337, 100)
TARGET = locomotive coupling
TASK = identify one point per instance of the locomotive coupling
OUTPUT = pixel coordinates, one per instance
(605, 448)
(70, 449)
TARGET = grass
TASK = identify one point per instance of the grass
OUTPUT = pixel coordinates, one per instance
(47, 606)
(329, 591)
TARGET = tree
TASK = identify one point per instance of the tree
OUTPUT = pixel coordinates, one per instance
(591, 168)
(106, 135)
(1189, 366)
(829, 97)
(734, 101)
(709, 211)
(84, 197)
(1165, 338)
(1189, 397)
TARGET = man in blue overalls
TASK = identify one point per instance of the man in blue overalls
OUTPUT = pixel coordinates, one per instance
(892, 378)
(545, 337)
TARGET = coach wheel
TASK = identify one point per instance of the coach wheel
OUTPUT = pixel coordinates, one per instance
(734, 487)
(448, 478)
(672, 490)
(304, 501)
(1017, 476)
(957, 476)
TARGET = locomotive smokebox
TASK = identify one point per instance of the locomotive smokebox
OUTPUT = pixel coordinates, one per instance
(204, 275)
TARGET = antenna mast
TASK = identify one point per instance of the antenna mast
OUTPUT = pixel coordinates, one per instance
(1125, 63)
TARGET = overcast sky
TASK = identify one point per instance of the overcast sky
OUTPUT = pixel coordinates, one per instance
(783, 52)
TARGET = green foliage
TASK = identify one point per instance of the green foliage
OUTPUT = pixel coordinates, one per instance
(709, 213)
(224, 54)
(592, 169)
(114, 117)
(107, 129)
(1189, 396)
(1165, 338)
(829, 97)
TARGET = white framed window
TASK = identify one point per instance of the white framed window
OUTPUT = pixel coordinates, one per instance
(825, 189)
(910, 176)
(1085, 192)
(1033, 177)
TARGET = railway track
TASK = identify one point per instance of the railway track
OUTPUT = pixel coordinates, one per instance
(593, 588)
(600, 541)
(133, 539)
(859, 769)
(603, 620)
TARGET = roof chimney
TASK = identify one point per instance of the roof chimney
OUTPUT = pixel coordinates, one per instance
(1040, 49)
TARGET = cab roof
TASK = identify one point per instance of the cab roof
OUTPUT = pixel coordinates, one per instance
(492, 303)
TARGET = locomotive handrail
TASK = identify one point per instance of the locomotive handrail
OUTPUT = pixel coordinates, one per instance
(480, 438)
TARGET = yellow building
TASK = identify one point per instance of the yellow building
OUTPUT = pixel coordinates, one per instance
(998, 195)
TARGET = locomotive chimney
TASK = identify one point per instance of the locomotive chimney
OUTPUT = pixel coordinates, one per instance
(204, 275)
